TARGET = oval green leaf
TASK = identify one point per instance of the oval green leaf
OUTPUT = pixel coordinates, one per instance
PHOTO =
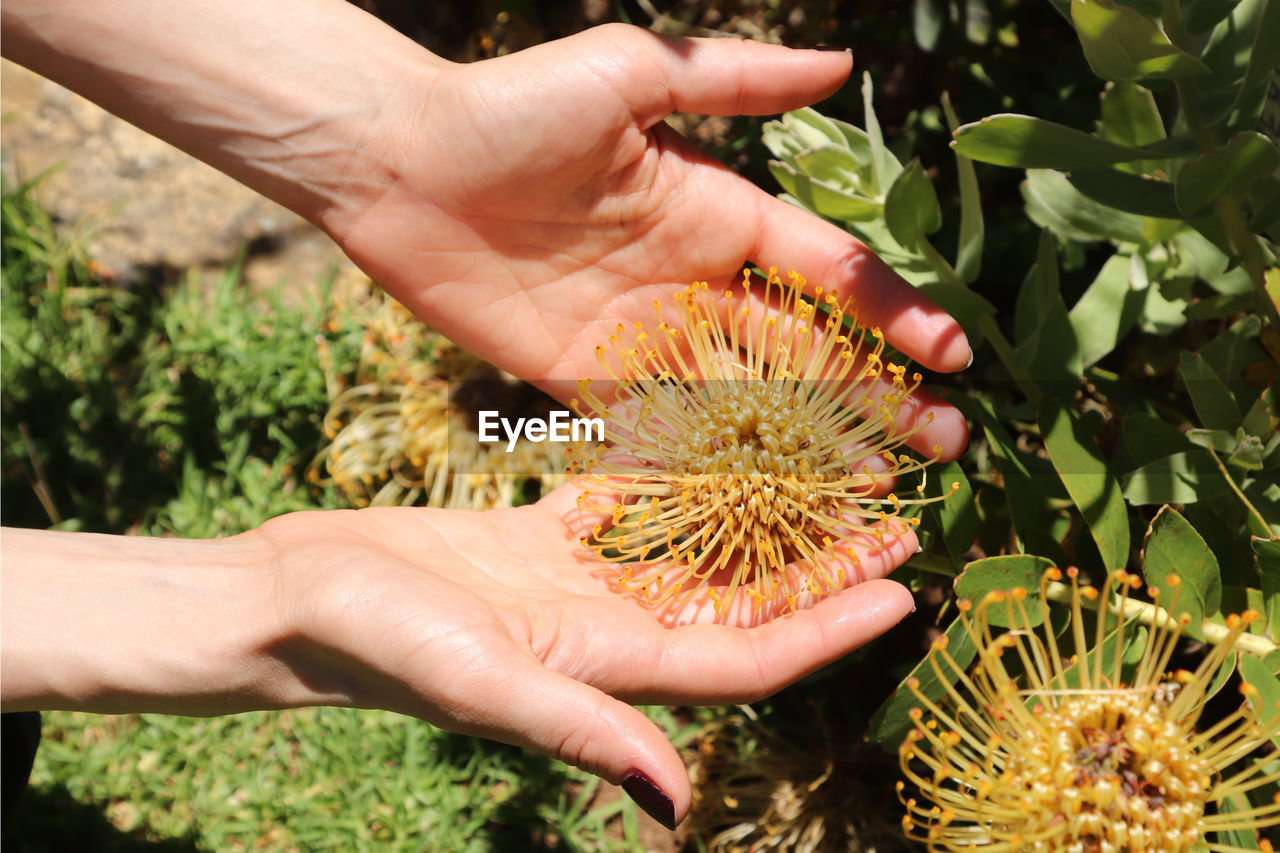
(1121, 44)
(824, 199)
(1256, 672)
(911, 207)
(957, 514)
(1180, 478)
(1210, 396)
(1174, 547)
(1090, 482)
(890, 723)
(1007, 139)
(1005, 572)
(1246, 158)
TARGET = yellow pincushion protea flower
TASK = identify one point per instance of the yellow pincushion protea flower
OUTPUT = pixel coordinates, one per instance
(1033, 751)
(748, 441)
(806, 788)
(404, 432)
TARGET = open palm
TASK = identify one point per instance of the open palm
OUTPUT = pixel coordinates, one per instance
(499, 624)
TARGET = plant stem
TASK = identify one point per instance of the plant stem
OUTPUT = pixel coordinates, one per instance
(1004, 350)
(941, 266)
(1253, 510)
(986, 323)
(933, 564)
(1150, 615)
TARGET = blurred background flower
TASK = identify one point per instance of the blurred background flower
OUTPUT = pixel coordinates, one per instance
(402, 422)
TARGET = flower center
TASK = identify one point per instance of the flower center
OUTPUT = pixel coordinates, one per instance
(1118, 767)
(756, 449)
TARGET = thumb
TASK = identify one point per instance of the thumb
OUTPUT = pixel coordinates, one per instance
(720, 76)
(580, 725)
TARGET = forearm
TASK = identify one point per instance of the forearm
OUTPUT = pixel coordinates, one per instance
(283, 96)
(129, 623)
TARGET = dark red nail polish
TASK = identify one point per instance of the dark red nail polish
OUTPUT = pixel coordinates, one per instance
(649, 797)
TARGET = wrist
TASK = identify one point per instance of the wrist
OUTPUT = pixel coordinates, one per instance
(290, 98)
(119, 624)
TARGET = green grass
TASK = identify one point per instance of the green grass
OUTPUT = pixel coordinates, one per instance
(193, 409)
(310, 779)
(184, 409)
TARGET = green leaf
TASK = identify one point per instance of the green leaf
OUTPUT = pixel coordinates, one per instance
(1173, 547)
(1121, 44)
(890, 723)
(1265, 201)
(800, 130)
(957, 515)
(1254, 671)
(1266, 559)
(885, 167)
(911, 207)
(928, 17)
(1053, 203)
(1262, 62)
(1130, 117)
(1247, 157)
(1022, 491)
(1046, 340)
(969, 248)
(1089, 481)
(1263, 416)
(1229, 354)
(1007, 139)
(1126, 192)
(1148, 438)
(1213, 439)
(1106, 311)
(966, 306)
(1162, 314)
(1004, 573)
(1199, 16)
(1219, 307)
(1210, 396)
(1211, 264)
(1180, 478)
(1248, 453)
(822, 198)
(832, 164)
(1230, 52)
(1221, 677)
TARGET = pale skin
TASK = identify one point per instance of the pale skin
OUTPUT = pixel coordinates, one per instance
(523, 206)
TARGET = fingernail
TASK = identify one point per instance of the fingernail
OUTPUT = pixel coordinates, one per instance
(649, 797)
(968, 363)
(919, 549)
(833, 47)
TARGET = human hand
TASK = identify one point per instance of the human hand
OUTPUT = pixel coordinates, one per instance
(498, 624)
(532, 202)
(522, 205)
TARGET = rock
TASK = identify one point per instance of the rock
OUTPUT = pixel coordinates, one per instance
(138, 202)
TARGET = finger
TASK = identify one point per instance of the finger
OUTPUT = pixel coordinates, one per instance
(710, 663)
(528, 705)
(922, 420)
(790, 238)
(719, 76)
